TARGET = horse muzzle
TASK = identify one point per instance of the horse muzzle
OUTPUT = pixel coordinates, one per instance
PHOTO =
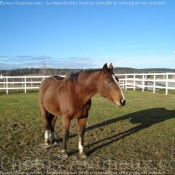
(120, 103)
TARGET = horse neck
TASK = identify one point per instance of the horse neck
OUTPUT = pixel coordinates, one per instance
(88, 82)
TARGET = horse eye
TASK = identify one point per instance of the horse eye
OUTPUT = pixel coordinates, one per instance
(108, 81)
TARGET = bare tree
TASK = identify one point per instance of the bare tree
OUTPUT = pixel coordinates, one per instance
(43, 70)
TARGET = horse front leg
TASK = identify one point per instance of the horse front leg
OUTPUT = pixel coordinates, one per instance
(81, 131)
(65, 133)
(46, 123)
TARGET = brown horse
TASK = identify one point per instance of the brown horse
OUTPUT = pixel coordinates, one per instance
(70, 97)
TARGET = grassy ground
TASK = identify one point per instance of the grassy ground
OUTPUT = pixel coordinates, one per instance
(137, 139)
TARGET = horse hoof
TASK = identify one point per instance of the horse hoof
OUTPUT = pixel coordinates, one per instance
(47, 142)
(55, 143)
(64, 154)
(52, 142)
(83, 155)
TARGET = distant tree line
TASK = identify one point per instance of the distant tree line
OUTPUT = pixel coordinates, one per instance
(32, 71)
(52, 71)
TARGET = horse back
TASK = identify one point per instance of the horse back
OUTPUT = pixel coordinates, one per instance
(48, 82)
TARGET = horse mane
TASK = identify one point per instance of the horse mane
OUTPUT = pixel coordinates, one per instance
(74, 76)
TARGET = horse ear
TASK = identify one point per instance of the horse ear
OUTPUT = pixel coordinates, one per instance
(111, 66)
(105, 68)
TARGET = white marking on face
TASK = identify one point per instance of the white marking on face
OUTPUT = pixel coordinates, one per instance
(113, 76)
(80, 147)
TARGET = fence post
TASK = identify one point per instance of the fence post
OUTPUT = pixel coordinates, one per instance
(143, 83)
(166, 84)
(25, 84)
(7, 91)
(154, 83)
(125, 82)
(146, 82)
(134, 82)
(4, 83)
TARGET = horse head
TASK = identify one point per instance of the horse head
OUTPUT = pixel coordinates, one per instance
(109, 86)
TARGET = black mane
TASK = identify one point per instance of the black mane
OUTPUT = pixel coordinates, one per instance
(74, 76)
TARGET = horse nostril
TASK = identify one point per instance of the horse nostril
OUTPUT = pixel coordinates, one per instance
(123, 101)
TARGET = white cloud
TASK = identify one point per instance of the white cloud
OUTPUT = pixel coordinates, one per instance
(137, 61)
(3, 59)
(51, 62)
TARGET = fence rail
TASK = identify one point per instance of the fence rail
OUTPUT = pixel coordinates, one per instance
(151, 81)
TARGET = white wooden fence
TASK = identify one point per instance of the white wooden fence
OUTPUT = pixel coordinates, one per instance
(151, 81)
(20, 82)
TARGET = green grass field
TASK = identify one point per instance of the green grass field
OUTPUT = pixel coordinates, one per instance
(138, 138)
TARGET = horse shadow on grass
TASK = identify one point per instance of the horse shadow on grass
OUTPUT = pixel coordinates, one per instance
(143, 119)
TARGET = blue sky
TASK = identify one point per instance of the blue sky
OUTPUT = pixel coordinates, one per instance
(65, 34)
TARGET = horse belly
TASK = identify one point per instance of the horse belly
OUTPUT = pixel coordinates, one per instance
(54, 110)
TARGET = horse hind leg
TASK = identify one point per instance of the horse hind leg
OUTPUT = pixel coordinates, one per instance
(44, 115)
(52, 136)
(50, 120)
